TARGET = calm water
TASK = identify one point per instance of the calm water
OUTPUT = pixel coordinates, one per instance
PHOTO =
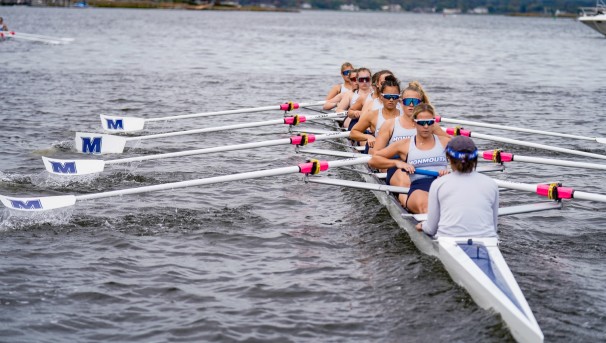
(276, 259)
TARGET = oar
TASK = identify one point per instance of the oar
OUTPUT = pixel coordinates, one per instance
(500, 156)
(452, 131)
(36, 38)
(83, 167)
(97, 143)
(552, 191)
(132, 124)
(518, 129)
(54, 202)
(33, 35)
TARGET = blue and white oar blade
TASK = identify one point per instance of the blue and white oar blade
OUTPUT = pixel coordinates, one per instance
(38, 204)
(73, 167)
(98, 143)
(122, 124)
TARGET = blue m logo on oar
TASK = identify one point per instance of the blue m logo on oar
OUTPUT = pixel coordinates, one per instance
(27, 205)
(64, 168)
(117, 124)
(91, 145)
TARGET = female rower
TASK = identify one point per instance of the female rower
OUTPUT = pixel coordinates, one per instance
(425, 150)
(3, 26)
(353, 102)
(377, 81)
(336, 92)
(464, 203)
(373, 121)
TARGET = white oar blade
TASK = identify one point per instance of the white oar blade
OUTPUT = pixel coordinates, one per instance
(38, 204)
(98, 143)
(601, 140)
(73, 167)
(122, 124)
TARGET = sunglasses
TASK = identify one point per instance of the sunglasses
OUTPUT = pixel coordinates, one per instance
(353, 79)
(346, 72)
(423, 122)
(391, 96)
(413, 101)
(364, 79)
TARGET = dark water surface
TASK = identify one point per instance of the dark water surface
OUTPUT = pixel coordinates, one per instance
(277, 259)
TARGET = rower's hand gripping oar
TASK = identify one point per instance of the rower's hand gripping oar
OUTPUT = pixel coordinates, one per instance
(461, 132)
(518, 129)
(98, 143)
(33, 204)
(83, 167)
(133, 124)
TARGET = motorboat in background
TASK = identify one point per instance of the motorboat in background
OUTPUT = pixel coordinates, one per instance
(595, 17)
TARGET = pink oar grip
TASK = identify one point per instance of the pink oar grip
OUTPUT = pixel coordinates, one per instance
(438, 119)
(286, 107)
(451, 131)
(563, 192)
(291, 120)
(306, 168)
(296, 140)
(505, 156)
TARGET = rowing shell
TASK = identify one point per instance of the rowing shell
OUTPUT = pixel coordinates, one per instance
(475, 263)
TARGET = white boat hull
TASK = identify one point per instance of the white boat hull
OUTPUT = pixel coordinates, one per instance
(597, 22)
(518, 316)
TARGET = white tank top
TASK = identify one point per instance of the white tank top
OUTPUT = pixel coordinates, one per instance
(343, 88)
(354, 98)
(432, 159)
(381, 121)
(400, 133)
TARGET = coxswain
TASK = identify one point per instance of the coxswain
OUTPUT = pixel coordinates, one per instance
(463, 203)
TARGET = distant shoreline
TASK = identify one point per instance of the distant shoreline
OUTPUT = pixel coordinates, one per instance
(173, 5)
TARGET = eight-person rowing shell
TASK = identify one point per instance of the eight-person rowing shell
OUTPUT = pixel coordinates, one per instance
(424, 150)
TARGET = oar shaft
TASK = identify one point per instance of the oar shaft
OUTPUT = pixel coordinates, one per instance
(562, 163)
(218, 179)
(234, 147)
(512, 128)
(528, 144)
(244, 110)
(231, 127)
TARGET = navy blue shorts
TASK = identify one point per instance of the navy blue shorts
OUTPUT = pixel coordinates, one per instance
(422, 184)
(352, 123)
(390, 173)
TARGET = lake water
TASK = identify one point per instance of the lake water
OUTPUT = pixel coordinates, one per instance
(277, 259)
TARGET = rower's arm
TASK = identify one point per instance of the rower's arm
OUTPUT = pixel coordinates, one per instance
(430, 226)
(367, 107)
(344, 103)
(357, 132)
(333, 92)
(385, 134)
(382, 158)
(330, 104)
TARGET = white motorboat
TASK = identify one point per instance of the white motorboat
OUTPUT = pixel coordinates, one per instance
(595, 17)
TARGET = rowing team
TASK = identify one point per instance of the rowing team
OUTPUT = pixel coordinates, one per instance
(397, 126)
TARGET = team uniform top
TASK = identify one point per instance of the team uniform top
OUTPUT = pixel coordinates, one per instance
(400, 133)
(381, 120)
(432, 159)
(463, 205)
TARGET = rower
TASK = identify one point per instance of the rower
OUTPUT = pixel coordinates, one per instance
(377, 82)
(337, 91)
(353, 102)
(3, 26)
(373, 121)
(424, 150)
(464, 203)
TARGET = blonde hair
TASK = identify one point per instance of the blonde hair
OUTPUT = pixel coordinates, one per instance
(423, 107)
(345, 65)
(416, 87)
